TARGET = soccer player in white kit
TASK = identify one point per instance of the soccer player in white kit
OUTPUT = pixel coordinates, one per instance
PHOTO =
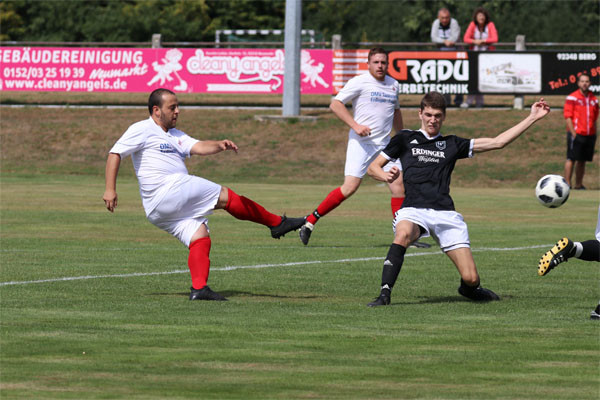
(428, 159)
(565, 248)
(175, 201)
(376, 112)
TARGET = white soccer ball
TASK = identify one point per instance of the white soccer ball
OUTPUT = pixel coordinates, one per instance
(552, 191)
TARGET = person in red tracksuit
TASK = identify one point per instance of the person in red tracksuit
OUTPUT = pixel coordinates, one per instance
(581, 113)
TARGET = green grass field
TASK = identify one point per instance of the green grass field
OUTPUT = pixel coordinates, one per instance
(94, 305)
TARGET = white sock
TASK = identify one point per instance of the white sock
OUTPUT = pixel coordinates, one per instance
(578, 249)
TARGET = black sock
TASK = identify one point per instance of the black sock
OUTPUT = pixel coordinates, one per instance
(591, 250)
(468, 288)
(391, 267)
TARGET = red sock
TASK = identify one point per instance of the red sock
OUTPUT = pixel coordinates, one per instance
(243, 208)
(332, 200)
(396, 204)
(199, 262)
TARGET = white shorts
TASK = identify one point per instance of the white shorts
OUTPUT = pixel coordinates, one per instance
(393, 163)
(448, 228)
(360, 154)
(185, 207)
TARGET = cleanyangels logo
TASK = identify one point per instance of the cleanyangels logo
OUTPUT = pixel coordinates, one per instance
(257, 68)
(425, 67)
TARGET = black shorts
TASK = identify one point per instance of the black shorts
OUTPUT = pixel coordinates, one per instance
(581, 148)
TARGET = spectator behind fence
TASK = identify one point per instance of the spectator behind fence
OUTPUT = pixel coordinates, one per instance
(581, 113)
(445, 32)
(480, 35)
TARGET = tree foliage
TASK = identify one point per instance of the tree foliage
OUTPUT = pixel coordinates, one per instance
(355, 20)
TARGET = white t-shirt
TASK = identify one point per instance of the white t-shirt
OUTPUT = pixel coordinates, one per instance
(373, 105)
(481, 36)
(158, 158)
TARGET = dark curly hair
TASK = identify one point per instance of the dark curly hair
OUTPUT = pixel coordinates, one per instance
(484, 12)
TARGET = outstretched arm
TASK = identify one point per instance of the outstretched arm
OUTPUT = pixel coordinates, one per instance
(538, 111)
(340, 110)
(110, 192)
(208, 147)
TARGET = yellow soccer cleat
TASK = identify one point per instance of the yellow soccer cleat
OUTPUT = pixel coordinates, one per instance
(557, 254)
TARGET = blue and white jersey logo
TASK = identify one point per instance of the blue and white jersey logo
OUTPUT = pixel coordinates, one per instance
(167, 148)
(382, 97)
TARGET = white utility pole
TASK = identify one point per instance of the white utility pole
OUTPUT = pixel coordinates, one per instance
(291, 78)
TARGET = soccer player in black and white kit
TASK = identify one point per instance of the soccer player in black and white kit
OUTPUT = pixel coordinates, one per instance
(428, 159)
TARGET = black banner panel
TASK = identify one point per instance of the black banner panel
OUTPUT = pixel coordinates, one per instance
(561, 70)
(493, 72)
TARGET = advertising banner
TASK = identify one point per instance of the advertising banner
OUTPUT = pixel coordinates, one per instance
(454, 72)
(346, 65)
(420, 72)
(509, 72)
(561, 69)
(143, 70)
(261, 70)
(547, 73)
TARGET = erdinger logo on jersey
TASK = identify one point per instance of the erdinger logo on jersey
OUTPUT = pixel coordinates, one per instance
(424, 155)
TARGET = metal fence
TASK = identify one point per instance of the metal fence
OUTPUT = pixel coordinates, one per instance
(157, 42)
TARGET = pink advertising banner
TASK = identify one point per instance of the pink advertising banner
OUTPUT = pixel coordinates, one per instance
(143, 70)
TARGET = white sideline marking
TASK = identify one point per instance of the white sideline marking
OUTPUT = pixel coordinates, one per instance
(234, 267)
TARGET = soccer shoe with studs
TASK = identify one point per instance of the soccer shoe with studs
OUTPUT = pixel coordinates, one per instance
(205, 294)
(286, 225)
(596, 313)
(305, 232)
(557, 254)
(382, 300)
(477, 294)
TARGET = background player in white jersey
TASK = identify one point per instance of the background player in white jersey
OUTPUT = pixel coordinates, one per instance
(374, 97)
(175, 201)
(428, 159)
(565, 248)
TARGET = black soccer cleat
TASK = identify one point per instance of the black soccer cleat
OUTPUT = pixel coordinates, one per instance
(477, 293)
(286, 225)
(559, 253)
(596, 313)
(305, 232)
(205, 294)
(382, 300)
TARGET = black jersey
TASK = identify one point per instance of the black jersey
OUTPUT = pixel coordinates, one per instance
(426, 166)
